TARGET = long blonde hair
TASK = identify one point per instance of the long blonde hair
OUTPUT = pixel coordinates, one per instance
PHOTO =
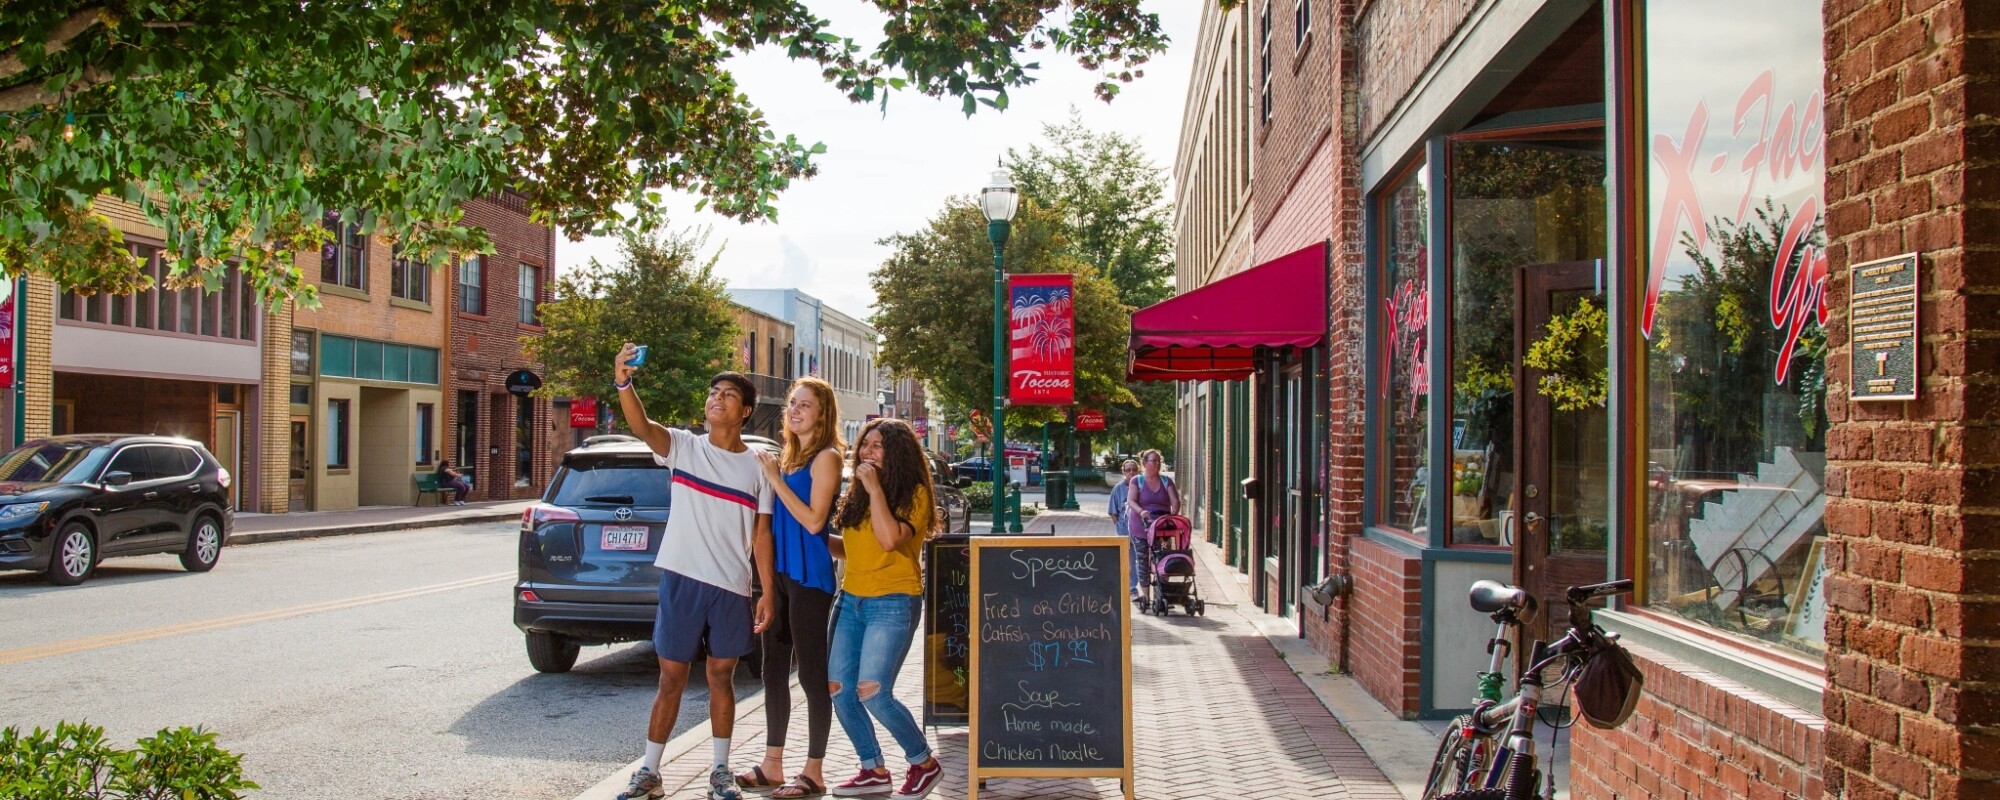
(826, 429)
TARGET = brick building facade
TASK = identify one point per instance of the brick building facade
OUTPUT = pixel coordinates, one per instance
(508, 442)
(1809, 611)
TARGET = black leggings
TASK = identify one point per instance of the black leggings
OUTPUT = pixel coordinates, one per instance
(800, 626)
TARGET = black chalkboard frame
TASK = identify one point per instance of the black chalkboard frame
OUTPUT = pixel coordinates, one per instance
(937, 709)
(976, 774)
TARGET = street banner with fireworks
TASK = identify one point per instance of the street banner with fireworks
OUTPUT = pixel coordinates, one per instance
(1042, 365)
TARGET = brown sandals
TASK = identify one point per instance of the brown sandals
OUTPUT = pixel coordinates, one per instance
(800, 786)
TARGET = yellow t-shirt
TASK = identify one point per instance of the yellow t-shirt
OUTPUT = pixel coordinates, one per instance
(874, 572)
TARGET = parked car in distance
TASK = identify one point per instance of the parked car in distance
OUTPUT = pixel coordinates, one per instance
(972, 470)
(586, 574)
(69, 502)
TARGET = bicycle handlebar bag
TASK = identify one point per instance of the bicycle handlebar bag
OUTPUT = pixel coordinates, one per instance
(1608, 688)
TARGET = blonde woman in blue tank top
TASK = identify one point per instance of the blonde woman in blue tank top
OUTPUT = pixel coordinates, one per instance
(805, 480)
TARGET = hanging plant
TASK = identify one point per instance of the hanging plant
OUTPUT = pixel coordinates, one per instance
(1569, 357)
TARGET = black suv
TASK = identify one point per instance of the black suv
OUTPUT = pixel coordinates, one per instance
(67, 502)
(587, 550)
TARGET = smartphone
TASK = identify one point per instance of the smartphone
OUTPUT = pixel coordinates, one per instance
(638, 357)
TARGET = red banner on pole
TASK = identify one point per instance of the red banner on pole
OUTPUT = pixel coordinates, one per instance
(583, 412)
(1089, 419)
(1042, 367)
(7, 342)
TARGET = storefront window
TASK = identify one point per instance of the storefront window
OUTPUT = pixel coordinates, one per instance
(1527, 243)
(1736, 355)
(1405, 221)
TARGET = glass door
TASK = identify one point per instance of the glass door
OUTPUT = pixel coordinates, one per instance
(299, 471)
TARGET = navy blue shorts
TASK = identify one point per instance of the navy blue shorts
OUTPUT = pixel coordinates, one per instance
(692, 612)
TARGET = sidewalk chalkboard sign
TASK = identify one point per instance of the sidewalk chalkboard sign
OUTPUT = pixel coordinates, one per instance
(947, 630)
(1051, 658)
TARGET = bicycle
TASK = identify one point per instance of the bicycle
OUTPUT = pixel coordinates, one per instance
(1465, 749)
(1489, 754)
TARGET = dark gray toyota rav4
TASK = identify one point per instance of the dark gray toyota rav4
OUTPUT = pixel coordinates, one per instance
(587, 550)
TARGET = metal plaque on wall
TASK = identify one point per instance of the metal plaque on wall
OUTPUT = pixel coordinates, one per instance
(1882, 328)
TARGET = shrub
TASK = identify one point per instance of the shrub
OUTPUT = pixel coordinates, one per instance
(74, 762)
(980, 497)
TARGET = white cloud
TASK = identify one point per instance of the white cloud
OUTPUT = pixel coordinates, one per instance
(889, 173)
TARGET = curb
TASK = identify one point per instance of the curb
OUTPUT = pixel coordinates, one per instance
(263, 537)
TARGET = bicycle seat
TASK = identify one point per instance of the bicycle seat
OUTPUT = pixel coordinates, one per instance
(1490, 597)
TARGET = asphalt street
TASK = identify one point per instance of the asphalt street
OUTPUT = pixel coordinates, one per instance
(383, 665)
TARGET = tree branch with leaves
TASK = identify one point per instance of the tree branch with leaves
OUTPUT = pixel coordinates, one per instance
(235, 125)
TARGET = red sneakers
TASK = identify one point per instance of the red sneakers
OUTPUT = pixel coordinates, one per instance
(920, 781)
(867, 783)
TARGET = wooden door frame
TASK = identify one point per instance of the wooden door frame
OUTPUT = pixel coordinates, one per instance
(1532, 414)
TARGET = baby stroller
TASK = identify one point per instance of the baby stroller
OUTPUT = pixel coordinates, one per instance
(1169, 578)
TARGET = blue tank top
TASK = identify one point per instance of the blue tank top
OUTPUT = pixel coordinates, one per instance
(800, 553)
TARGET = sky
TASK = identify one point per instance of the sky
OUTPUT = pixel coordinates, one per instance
(888, 174)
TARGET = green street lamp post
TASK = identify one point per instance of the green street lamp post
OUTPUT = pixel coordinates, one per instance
(999, 201)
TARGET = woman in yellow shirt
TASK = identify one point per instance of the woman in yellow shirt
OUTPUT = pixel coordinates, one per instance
(884, 519)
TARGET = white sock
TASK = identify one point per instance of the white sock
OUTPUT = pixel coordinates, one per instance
(721, 747)
(653, 751)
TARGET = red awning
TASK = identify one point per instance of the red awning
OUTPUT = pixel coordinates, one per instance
(1213, 332)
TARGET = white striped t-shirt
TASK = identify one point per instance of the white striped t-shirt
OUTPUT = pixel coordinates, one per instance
(716, 497)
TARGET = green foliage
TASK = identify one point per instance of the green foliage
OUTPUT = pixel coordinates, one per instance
(74, 762)
(235, 124)
(1112, 201)
(663, 292)
(979, 496)
(934, 309)
(1716, 358)
(1571, 357)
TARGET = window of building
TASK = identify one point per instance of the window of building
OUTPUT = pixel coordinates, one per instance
(1405, 326)
(530, 288)
(770, 355)
(337, 426)
(426, 432)
(524, 440)
(365, 359)
(1735, 413)
(472, 285)
(1302, 21)
(226, 312)
(409, 278)
(1527, 234)
(1264, 64)
(302, 350)
(344, 260)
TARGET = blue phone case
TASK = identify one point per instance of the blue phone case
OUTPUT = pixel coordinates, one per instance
(638, 358)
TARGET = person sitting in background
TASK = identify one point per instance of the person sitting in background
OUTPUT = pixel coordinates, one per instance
(454, 479)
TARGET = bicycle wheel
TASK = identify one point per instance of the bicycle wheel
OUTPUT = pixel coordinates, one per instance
(1453, 762)
(1477, 794)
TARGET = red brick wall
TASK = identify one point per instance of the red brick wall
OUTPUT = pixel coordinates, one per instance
(1397, 40)
(1698, 736)
(485, 348)
(1291, 183)
(1384, 623)
(1913, 631)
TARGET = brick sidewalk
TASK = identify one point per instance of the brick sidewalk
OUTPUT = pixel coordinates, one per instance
(1217, 713)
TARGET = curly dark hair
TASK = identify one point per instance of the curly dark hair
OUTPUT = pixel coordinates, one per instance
(904, 472)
